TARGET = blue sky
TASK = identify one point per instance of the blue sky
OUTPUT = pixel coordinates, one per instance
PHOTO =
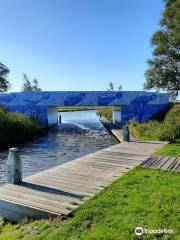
(78, 44)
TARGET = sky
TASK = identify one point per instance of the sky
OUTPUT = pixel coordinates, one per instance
(71, 45)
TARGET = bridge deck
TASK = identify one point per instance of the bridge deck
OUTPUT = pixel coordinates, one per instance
(60, 190)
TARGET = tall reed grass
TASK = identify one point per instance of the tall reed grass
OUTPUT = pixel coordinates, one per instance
(15, 128)
(105, 112)
(168, 129)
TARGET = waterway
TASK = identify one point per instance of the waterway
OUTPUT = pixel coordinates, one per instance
(80, 133)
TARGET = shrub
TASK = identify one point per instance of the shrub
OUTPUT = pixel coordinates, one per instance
(15, 128)
(168, 130)
(105, 112)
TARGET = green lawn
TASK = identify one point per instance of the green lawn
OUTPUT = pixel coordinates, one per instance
(142, 197)
(172, 149)
(73, 109)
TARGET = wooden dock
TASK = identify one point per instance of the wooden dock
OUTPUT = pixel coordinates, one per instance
(60, 190)
(163, 163)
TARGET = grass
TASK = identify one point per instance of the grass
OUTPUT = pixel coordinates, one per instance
(167, 129)
(73, 109)
(105, 112)
(142, 197)
(15, 128)
(172, 149)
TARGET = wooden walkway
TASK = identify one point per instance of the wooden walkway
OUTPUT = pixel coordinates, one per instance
(60, 190)
(163, 163)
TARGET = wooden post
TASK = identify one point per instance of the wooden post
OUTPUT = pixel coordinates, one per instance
(125, 133)
(60, 119)
(14, 167)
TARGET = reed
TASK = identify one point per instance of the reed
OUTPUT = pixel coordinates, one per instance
(167, 129)
(15, 128)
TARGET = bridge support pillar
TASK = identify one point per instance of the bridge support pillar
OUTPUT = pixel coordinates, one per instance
(116, 115)
(52, 116)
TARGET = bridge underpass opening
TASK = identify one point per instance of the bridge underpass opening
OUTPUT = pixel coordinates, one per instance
(111, 113)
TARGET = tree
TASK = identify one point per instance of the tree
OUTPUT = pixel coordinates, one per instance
(120, 87)
(111, 87)
(4, 83)
(164, 68)
(28, 86)
(36, 87)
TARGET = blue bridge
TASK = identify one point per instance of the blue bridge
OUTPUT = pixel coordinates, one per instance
(138, 105)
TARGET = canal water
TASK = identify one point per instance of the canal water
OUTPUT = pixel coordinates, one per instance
(79, 134)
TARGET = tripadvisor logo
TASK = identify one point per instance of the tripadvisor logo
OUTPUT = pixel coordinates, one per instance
(139, 231)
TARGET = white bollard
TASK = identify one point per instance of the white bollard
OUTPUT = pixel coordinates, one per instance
(14, 167)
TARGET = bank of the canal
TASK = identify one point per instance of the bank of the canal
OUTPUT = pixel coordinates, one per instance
(79, 134)
(114, 129)
(16, 128)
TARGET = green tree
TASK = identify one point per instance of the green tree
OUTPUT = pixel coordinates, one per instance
(111, 86)
(120, 87)
(36, 87)
(29, 86)
(164, 68)
(4, 83)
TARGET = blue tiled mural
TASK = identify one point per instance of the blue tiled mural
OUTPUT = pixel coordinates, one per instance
(138, 105)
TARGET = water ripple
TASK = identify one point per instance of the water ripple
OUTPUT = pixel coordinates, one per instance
(79, 134)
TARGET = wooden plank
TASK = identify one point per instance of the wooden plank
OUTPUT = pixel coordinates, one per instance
(53, 197)
(34, 200)
(163, 163)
